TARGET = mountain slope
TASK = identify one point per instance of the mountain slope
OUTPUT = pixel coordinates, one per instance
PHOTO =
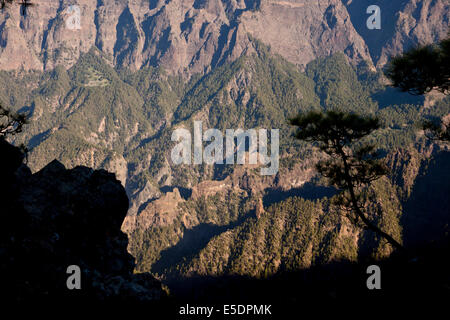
(195, 36)
(105, 117)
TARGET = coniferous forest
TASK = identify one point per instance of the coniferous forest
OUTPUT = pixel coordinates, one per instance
(96, 211)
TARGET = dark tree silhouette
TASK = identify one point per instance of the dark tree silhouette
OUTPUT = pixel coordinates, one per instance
(351, 165)
(420, 71)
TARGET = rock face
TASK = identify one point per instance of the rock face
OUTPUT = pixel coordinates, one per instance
(159, 212)
(303, 30)
(56, 218)
(403, 24)
(196, 35)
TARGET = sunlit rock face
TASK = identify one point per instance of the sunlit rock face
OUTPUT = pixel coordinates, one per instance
(193, 36)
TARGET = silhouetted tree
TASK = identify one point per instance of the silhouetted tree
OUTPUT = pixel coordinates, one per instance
(420, 71)
(58, 217)
(350, 165)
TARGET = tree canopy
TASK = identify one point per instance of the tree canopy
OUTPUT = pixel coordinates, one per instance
(351, 164)
(422, 69)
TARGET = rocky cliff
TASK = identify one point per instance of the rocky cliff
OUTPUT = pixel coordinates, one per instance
(56, 218)
(196, 35)
(252, 57)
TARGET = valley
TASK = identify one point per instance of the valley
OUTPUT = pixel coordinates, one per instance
(138, 77)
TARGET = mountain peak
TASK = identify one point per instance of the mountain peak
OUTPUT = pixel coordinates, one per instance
(194, 36)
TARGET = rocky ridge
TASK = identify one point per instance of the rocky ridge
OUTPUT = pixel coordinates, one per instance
(56, 218)
(194, 36)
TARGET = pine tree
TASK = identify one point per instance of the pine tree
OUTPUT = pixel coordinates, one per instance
(421, 70)
(351, 165)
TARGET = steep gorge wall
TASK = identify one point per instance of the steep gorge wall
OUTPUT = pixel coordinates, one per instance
(196, 35)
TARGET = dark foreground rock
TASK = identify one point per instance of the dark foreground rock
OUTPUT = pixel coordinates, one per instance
(56, 218)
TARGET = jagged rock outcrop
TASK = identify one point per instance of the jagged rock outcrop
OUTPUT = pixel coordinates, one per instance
(164, 210)
(303, 30)
(56, 218)
(196, 35)
(160, 212)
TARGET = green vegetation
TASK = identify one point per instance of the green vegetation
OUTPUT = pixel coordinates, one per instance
(421, 70)
(93, 113)
(95, 79)
(351, 165)
(338, 86)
